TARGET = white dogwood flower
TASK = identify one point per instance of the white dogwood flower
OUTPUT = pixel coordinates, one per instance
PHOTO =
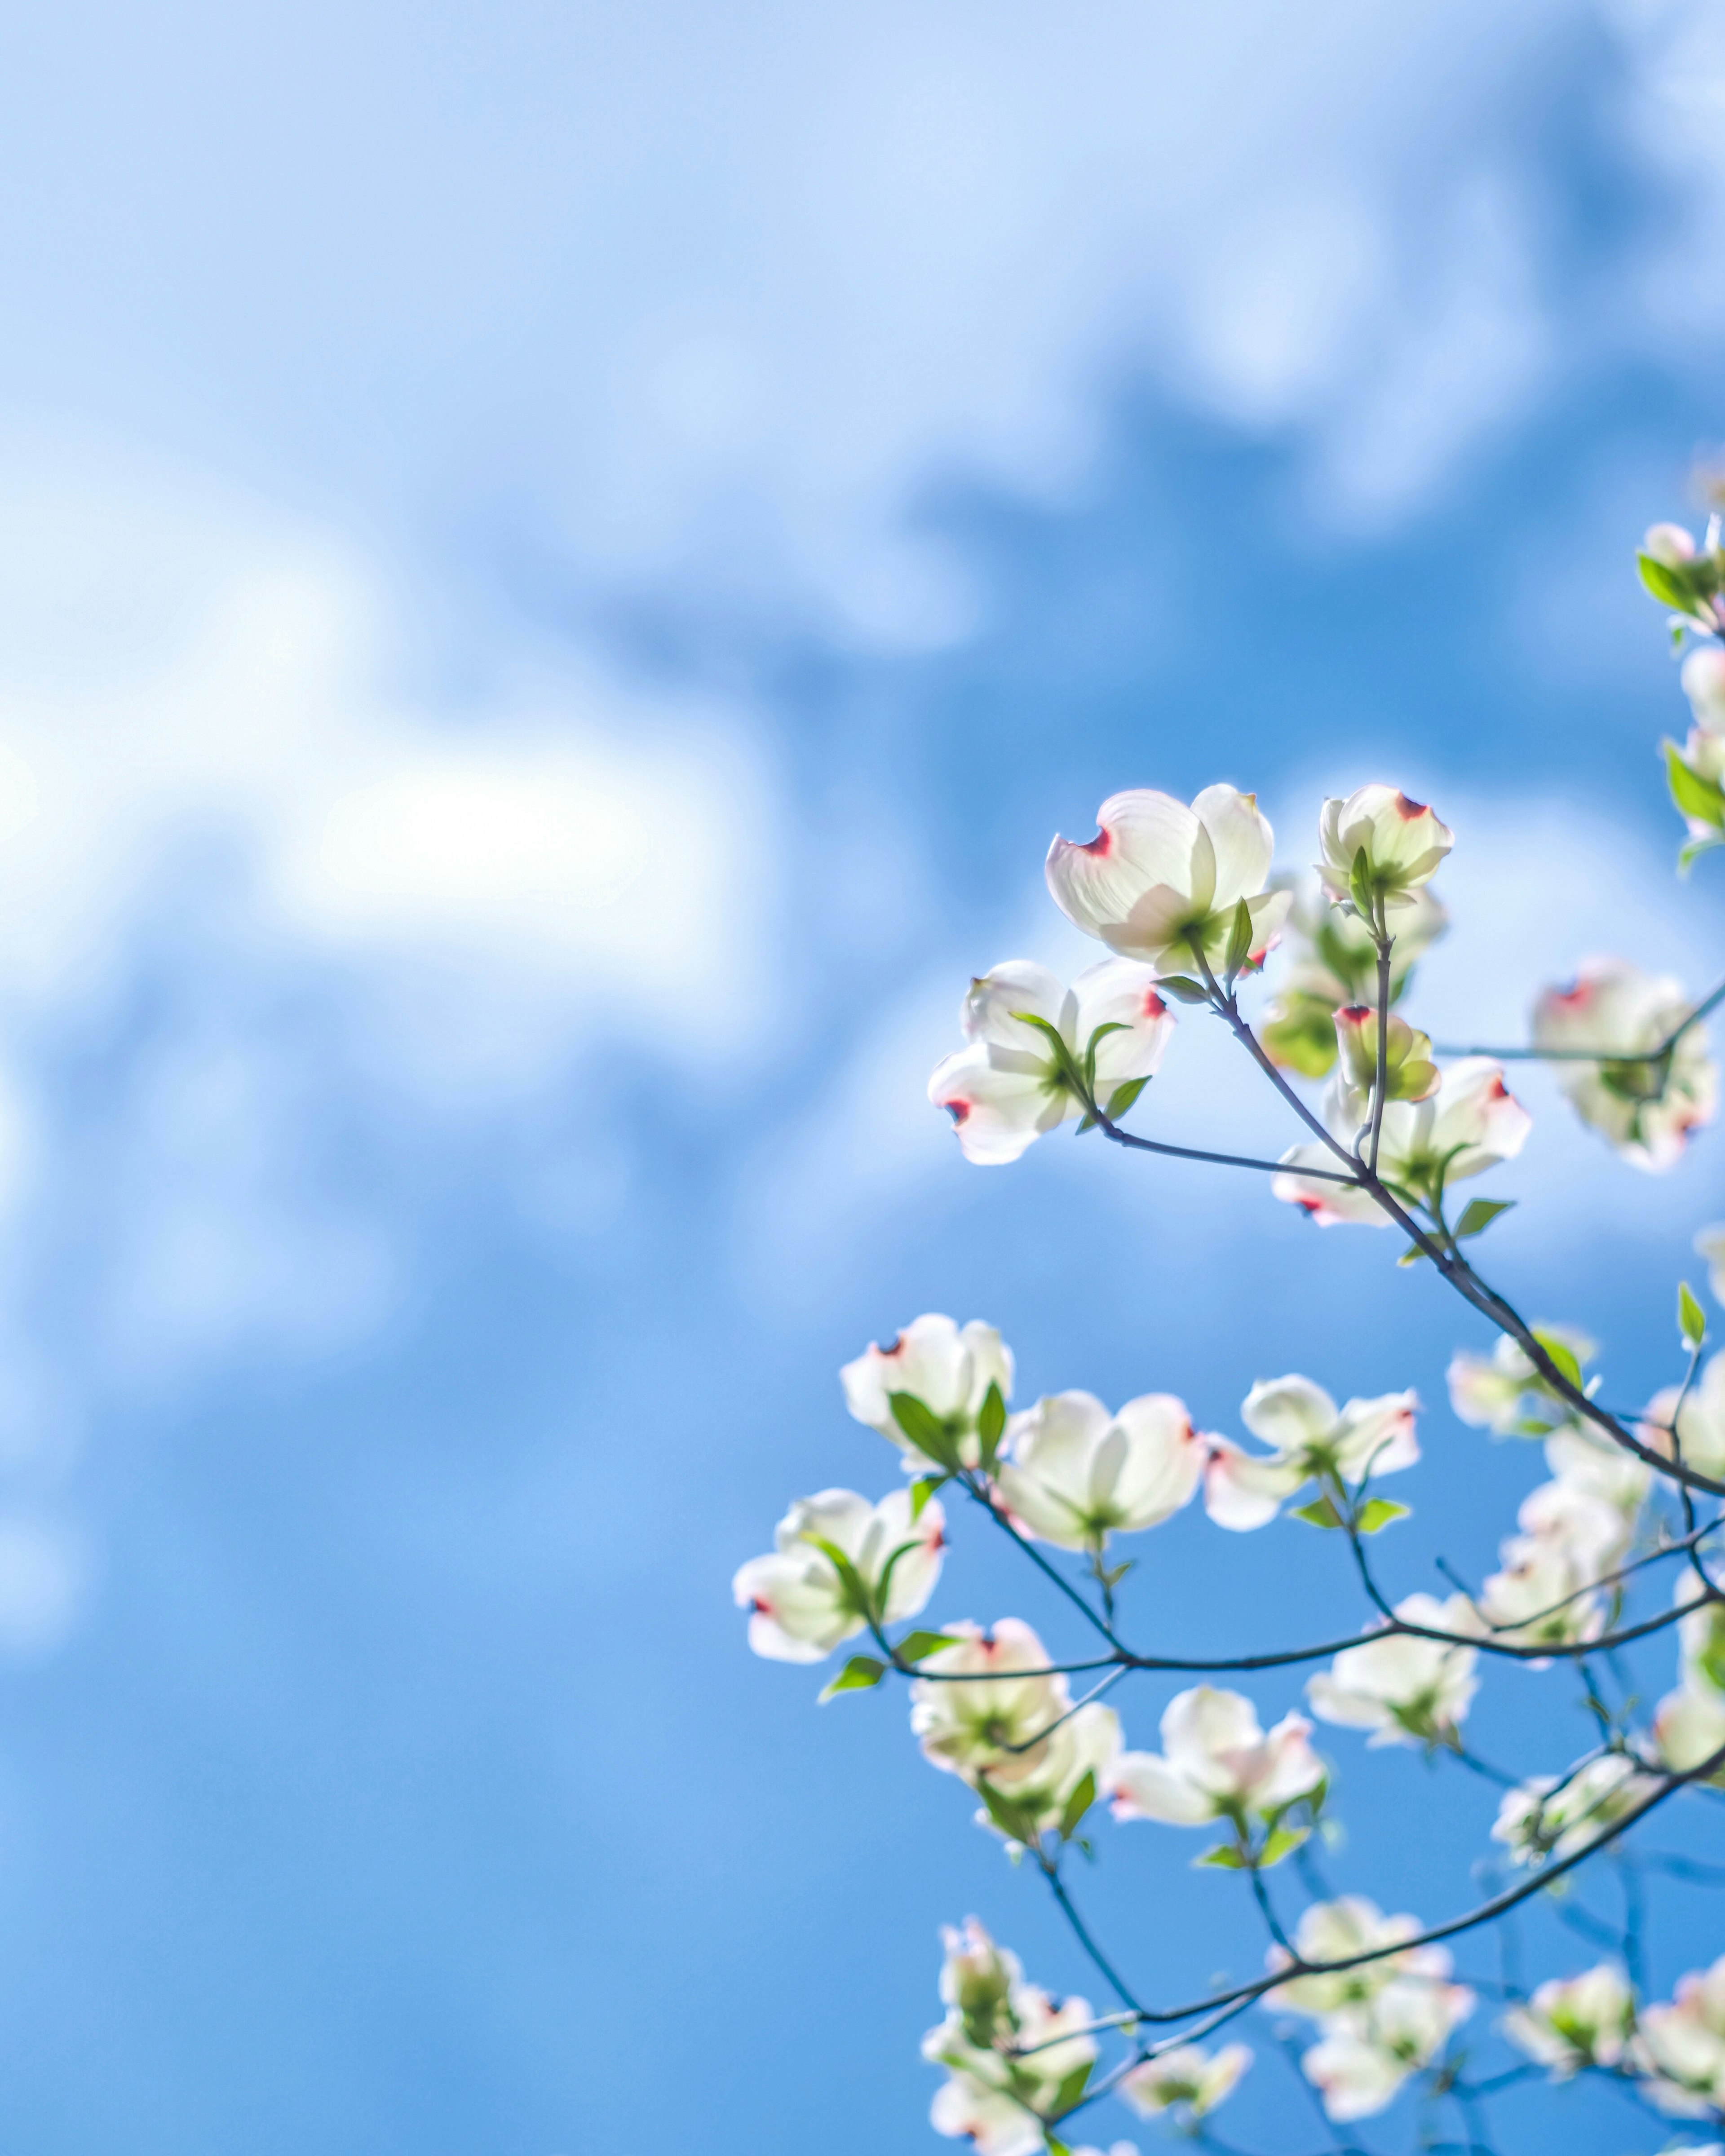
(1570, 1539)
(1689, 1730)
(1703, 679)
(1011, 1084)
(995, 2097)
(1311, 1438)
(1340, 1931)
(1700, 1422)
(985, 1710)
(1403, 843)
(1584, 1458)
(1499, 1391)
(1681, 2045)
(1330, 961)
(802, 1606)
(1470, 1124)
(1162, 882)
(946, 1367)
(1643, 1103)
(1074, 1474)
(1215, 1763)
(1575, 2021)
(1405, 1689)
(1358, 2068)
(1186, 2076)
(1546, 1817)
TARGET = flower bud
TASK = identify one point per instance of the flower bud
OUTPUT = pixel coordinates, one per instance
(1379, 847)
(1410, 1073)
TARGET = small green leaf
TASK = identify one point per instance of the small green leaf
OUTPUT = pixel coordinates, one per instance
(1055, 2146)
(1077, 1805)
(918, 1646)
(1562, 1356)
(1123, 1096)
(1688, 855)
(1666, 584)
(1691, 1319)
(1480, 1214)
(1282, 1843)
(921, 1490)
(1320, 1513)
(1359, 885)
(1411, 1255)
(1182, 989)
(991, 1422)
(1070, 2090)
(860, 1674)
(1016, 1821)
(1377, 1512)
(1693, 795)
(1225, 1856)
(925, 1430)
(1097, 1038)
(1240, 938)
(856, 1587)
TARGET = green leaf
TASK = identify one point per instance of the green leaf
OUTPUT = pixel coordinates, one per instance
(1359, 885)
(1693, 795)
(1411, 1255)
(1055, 2146)
(1377, 1512)
(1015, 1821)
(923, 1489)
(856, 1587)
(1691, 1319)
(1225, 1856)
(860, 1674)
(1667, 585)
(1320, 1512)
(1182, 989)
(1097, 1038)
(1561, 1355)
(1070, 2089)
(991, 1422)
(1062, 1056)
(1480, 1214)
(918, 1646)
(925, 1430)
(1688, 855)
(1077, 1805)
(1240, 938)
(1282, 1843)
(1123, 1098)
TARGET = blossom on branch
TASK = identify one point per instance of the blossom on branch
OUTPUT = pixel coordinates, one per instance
(1700, 1423)
(1409, 1073)
(1009, 2050)
(1405, 1689)
(986, 1710)
(1215, 1763)
(1500, 1392)
(1643, 1102)
(1379, 847)
(1163, 882)
(803, 1605)
(949, 1368)
(1547, 1817)
(1681, 2046)
(1187, 2078)
(1338, 1930)
(1575, 2021)
(1334, 963)
(1470, 1124)
(1703, 679)
(1312, 1438)
(1073, 1474)
(1029, 1060)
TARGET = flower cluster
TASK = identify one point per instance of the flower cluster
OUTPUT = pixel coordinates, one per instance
(1014, 2058)
(841, 1564)
(1216, 1762)
(1552, 1816)
(1691, 581)
(1379, 2021)
(1574, 2022)
(1655, 1082)
(1332, 965)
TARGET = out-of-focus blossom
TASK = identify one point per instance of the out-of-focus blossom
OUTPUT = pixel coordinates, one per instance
(1701, 1636)
(1685, 576)
(1162, 882)
(1074, 1474)
(1570, 1539)
(946, 1367)
(1215, 1763)
(1681, 2046)
(1575, 2021)
(1587, 1459)
(1409, 1073)
(801, 1606)
(995, 2098)
(1710, 1244)
(1700, 1422)
(1339, 1931)
(1405, 1689)
(1403, 845)
(1010, 1086)
(1186, 2077)
(1703, 679)
(1470, 1123)
(1332, 962)
(984, 1710)
(1547, 1817)
(1311, 1437)
(1358, 2069)
(1643, 1103)
(1689, 1730)
(1498, 1391)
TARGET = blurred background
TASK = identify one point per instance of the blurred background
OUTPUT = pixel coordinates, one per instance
(558, 570)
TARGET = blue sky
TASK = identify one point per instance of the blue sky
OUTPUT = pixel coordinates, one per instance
(560, 572)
